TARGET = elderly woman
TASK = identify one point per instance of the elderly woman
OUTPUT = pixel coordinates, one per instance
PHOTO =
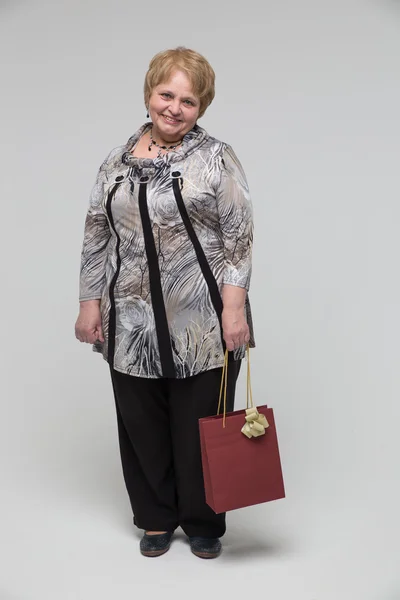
(165, 272)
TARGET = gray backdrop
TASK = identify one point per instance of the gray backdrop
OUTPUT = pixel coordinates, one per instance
(308, 94)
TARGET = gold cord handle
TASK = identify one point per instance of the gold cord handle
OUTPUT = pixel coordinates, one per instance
(224, 386)
(255, 424)
(249, 393)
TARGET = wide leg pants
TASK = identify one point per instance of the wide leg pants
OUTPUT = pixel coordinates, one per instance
(160, 448)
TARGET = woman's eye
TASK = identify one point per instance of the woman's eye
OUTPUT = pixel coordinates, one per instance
(167, 95)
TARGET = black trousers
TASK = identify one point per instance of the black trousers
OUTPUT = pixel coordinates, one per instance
(160, 448)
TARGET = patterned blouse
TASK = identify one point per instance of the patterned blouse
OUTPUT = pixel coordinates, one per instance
(161, 238)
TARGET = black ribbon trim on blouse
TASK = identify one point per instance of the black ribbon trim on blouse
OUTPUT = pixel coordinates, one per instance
(201, 257)
(157, 299)
(112, 315)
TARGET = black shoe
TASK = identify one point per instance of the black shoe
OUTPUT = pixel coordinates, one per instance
(205, 547)
(155, 545)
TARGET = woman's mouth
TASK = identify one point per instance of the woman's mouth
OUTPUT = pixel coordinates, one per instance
(170, 120)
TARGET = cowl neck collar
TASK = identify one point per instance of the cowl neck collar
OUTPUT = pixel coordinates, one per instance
(194, 138)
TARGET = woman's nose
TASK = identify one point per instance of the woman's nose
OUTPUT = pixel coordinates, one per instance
(175, 107)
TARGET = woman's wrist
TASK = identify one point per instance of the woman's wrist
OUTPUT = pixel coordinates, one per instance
(89, 303)
(233, 298)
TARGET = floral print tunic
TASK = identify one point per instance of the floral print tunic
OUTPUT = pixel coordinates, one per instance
(162, 236)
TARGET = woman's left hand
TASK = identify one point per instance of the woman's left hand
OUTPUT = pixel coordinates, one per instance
(235, 328)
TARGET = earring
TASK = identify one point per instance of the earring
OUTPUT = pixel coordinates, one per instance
(147, 114)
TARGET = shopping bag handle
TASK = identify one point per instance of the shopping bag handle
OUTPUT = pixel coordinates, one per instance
(224, 384)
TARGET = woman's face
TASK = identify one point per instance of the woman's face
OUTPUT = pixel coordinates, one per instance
(173, 108)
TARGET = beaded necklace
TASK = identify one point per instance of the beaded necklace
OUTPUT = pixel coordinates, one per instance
(166, 148)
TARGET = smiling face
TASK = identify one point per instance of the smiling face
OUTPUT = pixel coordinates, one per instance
(173, 108)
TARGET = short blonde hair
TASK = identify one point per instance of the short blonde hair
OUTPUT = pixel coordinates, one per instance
(198, 70)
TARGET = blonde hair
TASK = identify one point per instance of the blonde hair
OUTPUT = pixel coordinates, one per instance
(198, 70)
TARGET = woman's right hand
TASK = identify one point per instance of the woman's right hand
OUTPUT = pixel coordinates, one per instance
(88, 326)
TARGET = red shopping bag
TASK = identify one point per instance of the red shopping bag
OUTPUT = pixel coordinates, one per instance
(241, 461)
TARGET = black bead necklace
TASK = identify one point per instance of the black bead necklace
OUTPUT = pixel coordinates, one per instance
(166, 148)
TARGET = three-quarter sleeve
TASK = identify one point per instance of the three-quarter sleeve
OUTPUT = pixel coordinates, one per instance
(236, 220)
(95, 240)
